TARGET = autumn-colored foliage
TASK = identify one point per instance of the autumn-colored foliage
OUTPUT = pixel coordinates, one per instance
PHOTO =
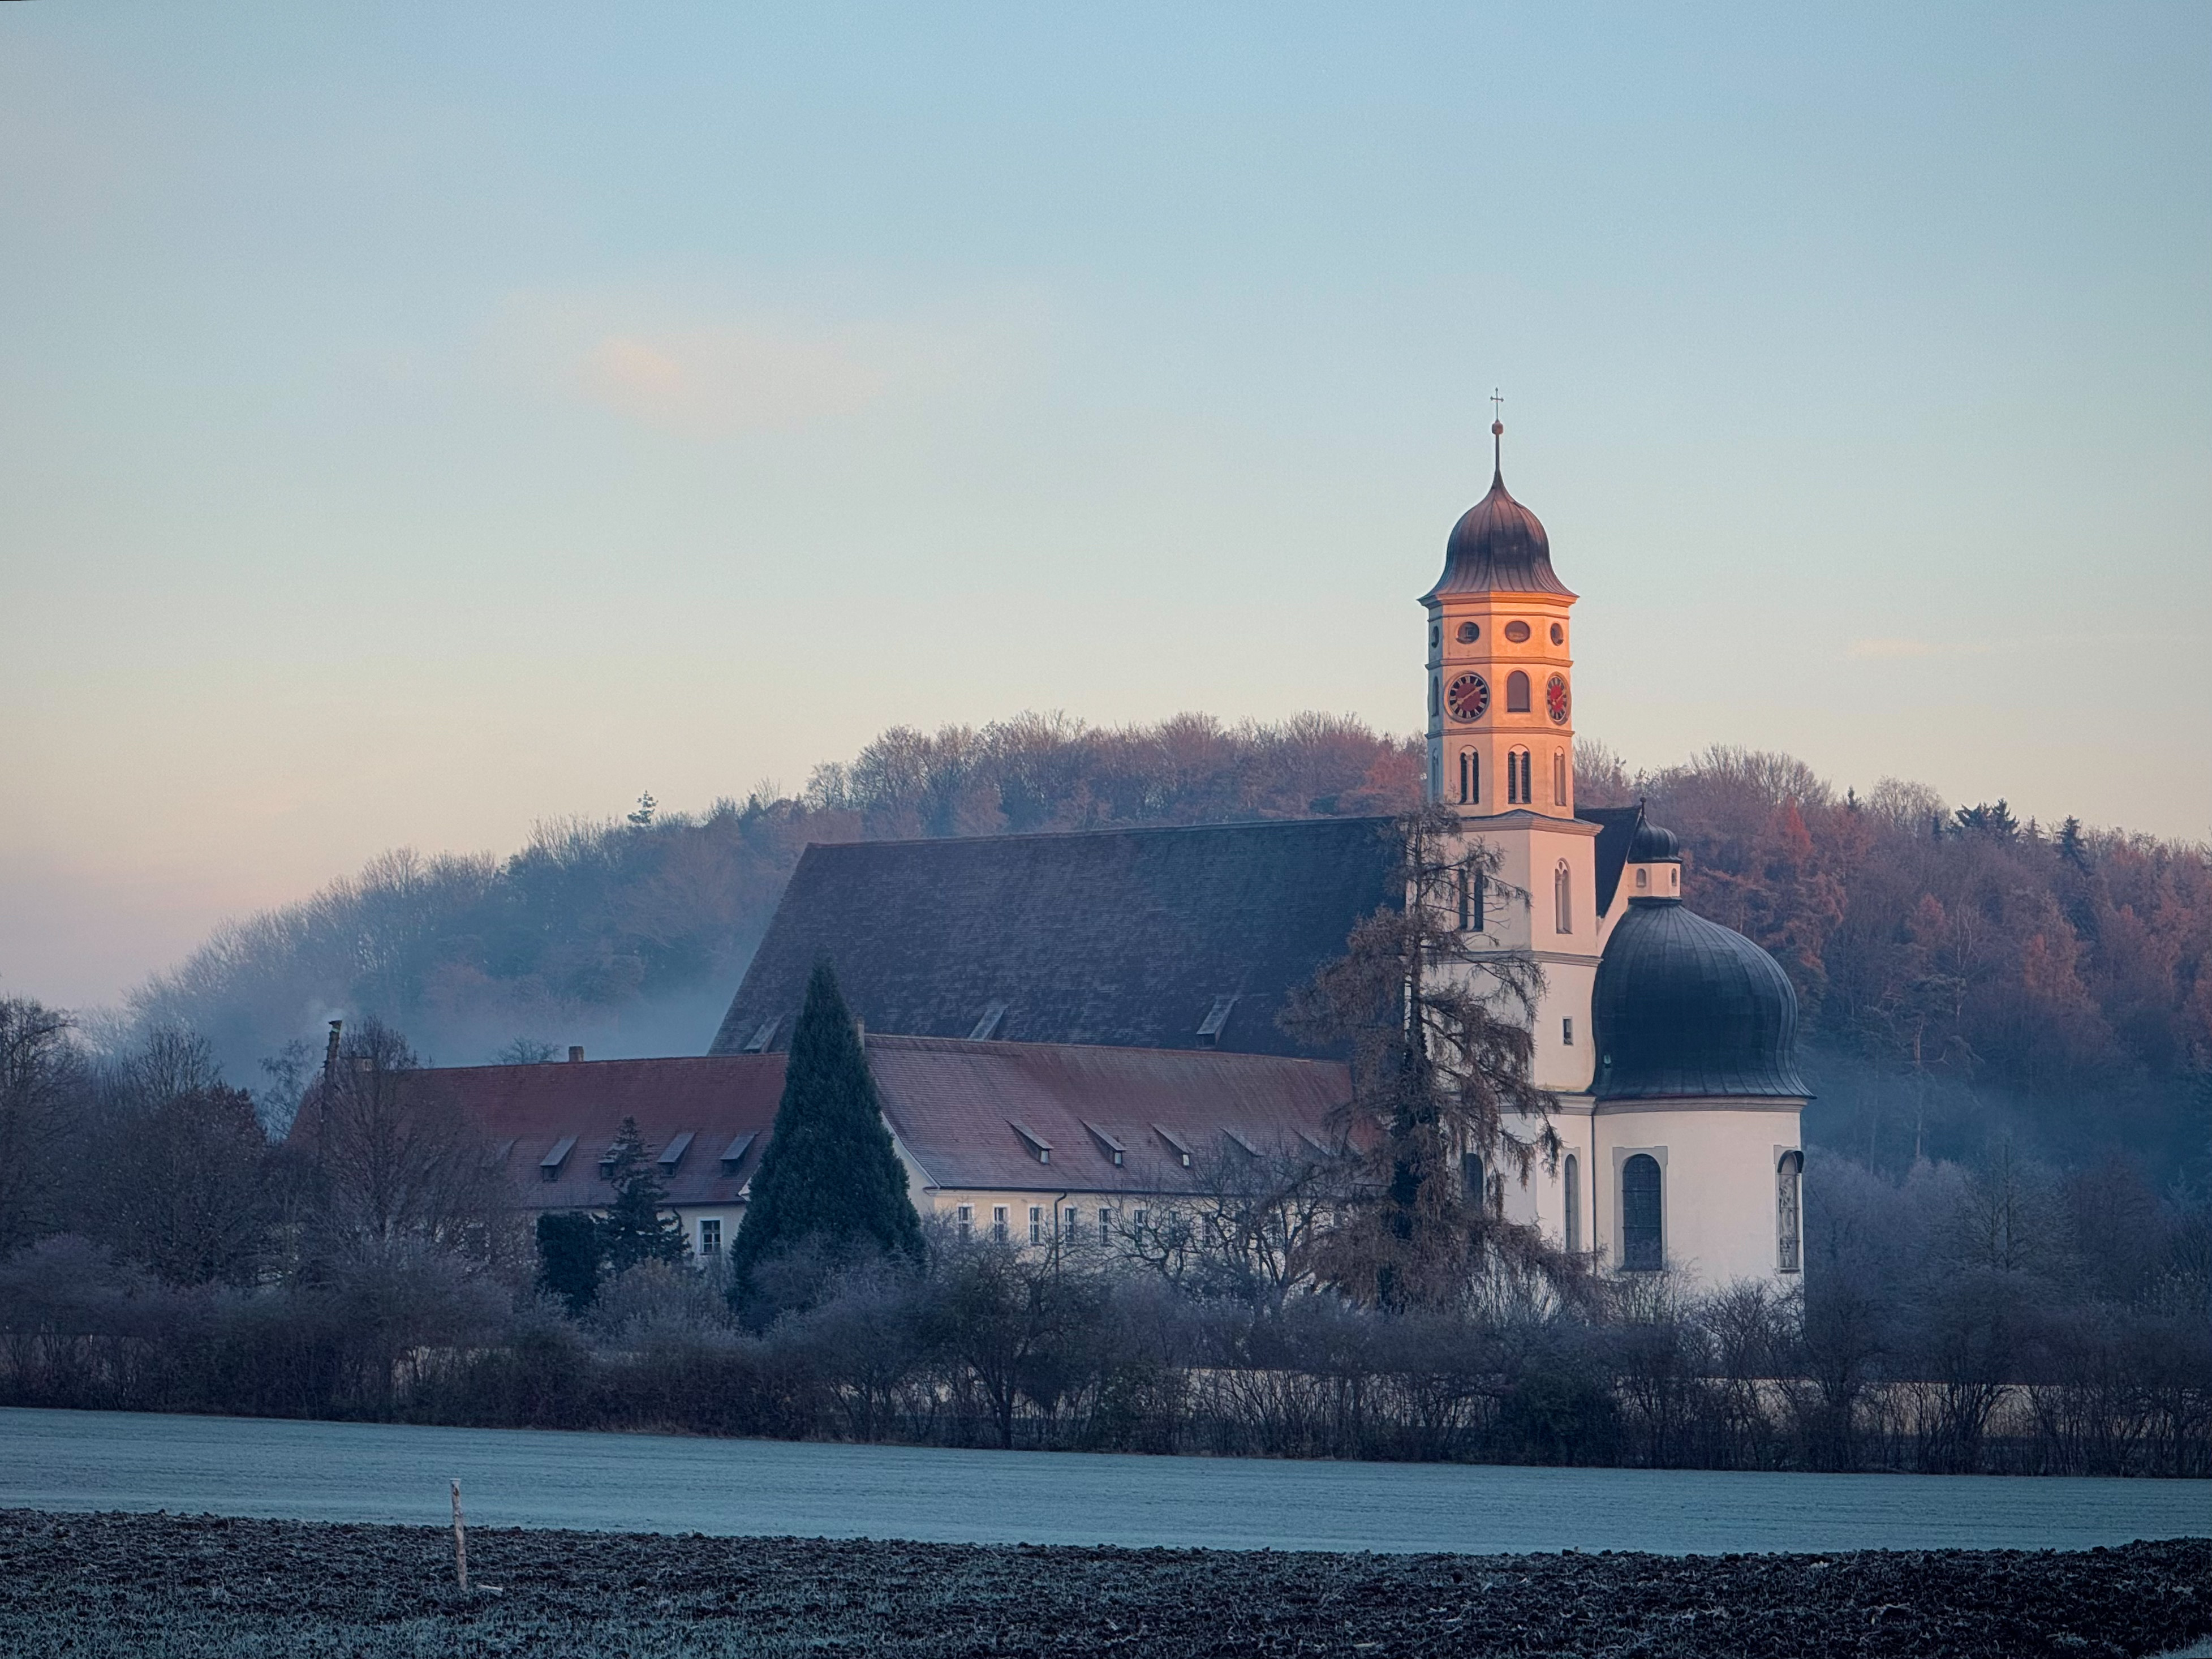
(1946, 959)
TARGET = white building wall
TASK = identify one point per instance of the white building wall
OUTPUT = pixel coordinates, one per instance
(1717, 1160)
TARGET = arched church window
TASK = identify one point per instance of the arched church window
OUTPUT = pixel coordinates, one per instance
(1559, 777)
(1435, 696)
(1517, 778)
(1642, 879)
(1470, 778)
(1562, 897)
(1789, 1216)
(1643, 1244)
(1474, 1181)
(1517, 693)
(1572, 1179)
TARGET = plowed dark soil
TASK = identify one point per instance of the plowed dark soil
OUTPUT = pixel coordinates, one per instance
(126, 1585)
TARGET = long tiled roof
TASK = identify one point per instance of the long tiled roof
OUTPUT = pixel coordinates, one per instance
(527, 1112)
(971, 1114)
(1151, 938)
(978, 1115)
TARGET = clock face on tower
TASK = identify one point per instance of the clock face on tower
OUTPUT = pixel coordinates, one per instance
(1555, 698)
(1467, 697)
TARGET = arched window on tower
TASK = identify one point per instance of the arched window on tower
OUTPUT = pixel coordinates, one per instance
(1789, 1216)
(1471, 897)
(1475, 1181)
(1559, 777)
(1517, 693)
(1470, 778)
(1643, 1233)
(1563, 898)
(1517, 778)
(1571, 1179)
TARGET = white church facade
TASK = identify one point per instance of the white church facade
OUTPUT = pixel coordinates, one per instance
(1664, 1039)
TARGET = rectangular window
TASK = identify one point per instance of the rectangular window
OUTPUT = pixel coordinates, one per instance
(1036, 1223)
(1137, 1216)
(710, 1235)
(1572, 1179)
(998, 1224)
(1466, 896)
(967, 1218)
(1567, 1031)
(1070, 1221)
(1105, 1226)
(1559, 777)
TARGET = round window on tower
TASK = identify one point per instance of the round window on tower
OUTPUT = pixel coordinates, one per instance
(1469, 632)
(1517, 632)
(1559, 635)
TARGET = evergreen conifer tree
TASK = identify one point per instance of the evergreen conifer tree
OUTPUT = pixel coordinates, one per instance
(831, 1173)
(569, 1257)
(637, 1226)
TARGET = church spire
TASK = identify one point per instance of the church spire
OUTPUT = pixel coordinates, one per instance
(1496, 438)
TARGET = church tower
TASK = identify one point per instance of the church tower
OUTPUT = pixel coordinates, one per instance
(1501, 758)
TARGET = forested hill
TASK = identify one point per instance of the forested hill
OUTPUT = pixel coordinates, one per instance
(1964, 975)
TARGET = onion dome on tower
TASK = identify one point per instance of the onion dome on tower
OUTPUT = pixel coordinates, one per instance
(1499, 546)
(1687, 1009)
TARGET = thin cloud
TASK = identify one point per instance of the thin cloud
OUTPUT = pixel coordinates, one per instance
(728, 379)
(707, 367)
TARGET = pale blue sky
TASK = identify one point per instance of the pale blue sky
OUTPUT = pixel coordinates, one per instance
(417, 421)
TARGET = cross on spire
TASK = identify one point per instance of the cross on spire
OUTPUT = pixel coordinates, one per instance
(1496, 433)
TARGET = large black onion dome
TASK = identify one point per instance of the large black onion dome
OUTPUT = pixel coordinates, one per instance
(1499, 546)
(1685, 1008)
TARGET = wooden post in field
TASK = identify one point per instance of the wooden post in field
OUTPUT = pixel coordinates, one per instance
(460, 1543)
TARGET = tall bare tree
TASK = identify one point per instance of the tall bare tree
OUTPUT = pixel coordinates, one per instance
(1442, 1045)
(42, 1074)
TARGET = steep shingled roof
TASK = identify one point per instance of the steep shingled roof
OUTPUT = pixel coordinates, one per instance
(972, 1114)
(975, 1114)
(1124, 938)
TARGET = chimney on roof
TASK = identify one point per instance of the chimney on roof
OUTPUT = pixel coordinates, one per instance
(575, 1051)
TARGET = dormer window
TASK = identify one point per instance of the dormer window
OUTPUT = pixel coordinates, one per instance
(1039, 1146)
(1176, 1144)
(548, 1167)
(1108, 1143)
(734, 1153)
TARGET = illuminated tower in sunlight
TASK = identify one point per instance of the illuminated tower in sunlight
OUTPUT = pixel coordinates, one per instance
(1664, 1038)
(1501, 754)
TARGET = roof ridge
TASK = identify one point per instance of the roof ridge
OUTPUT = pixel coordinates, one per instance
(1108, 830)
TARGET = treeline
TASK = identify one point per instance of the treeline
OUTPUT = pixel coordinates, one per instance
(630, 936)
(156, 1253)
(1966, 978)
